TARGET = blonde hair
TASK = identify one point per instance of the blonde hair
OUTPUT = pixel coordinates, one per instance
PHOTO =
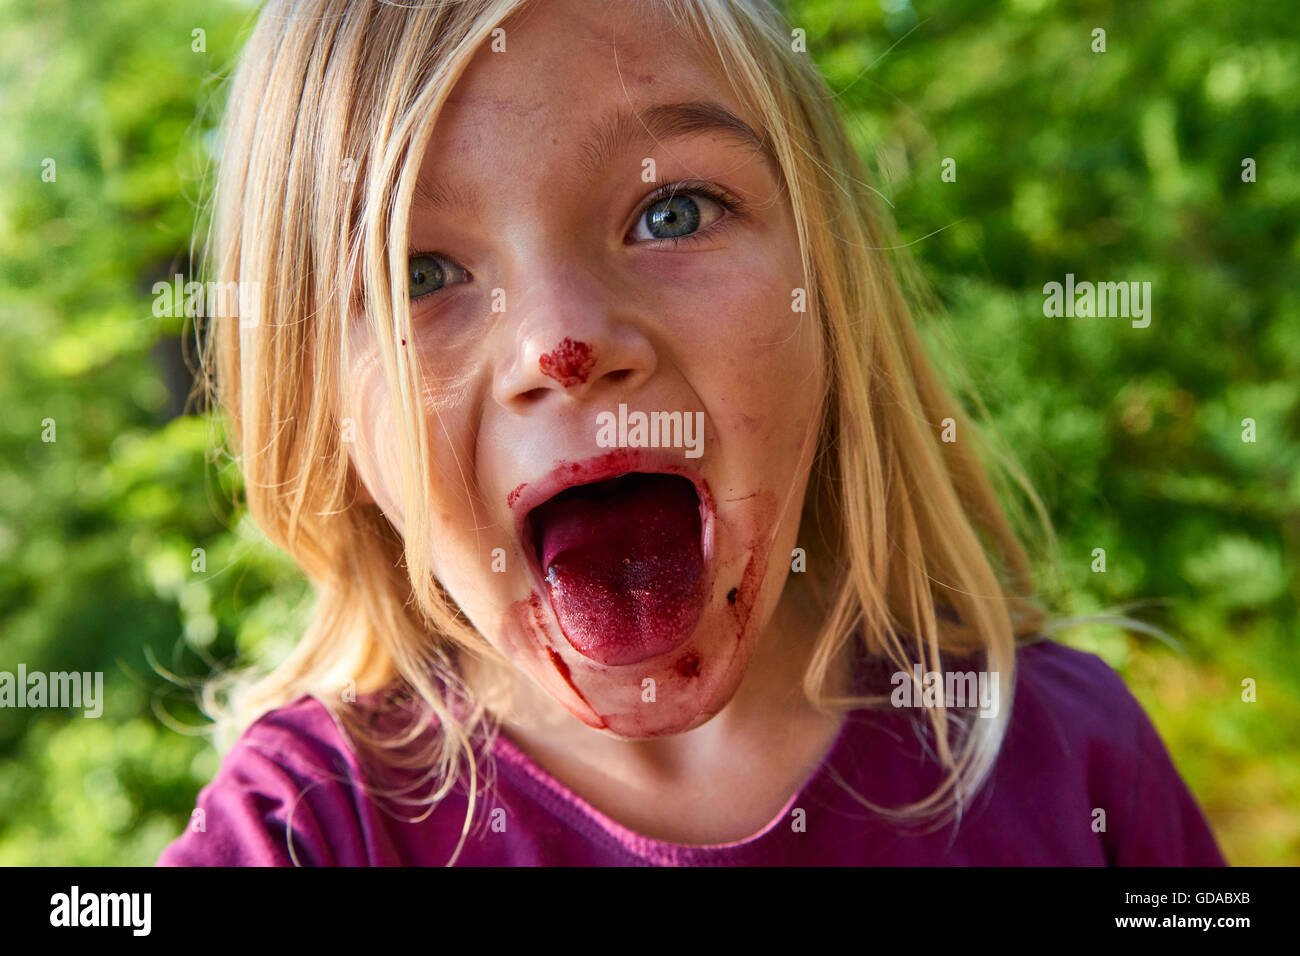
(330, 109)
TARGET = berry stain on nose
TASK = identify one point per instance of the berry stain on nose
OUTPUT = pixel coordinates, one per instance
(568, 363)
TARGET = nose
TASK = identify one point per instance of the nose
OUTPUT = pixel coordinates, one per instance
(569, 339)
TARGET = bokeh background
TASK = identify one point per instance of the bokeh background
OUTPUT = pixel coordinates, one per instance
(1122, 165)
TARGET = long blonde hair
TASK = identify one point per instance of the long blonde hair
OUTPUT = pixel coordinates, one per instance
(328, 114)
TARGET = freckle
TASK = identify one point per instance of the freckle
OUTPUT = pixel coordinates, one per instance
(731, 595)
(403, 341)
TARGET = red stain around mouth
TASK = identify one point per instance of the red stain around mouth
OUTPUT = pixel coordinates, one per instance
(688, 665)
(528, 619)
(563, 668)
(568, 363)
(514, 495)
(742, 597)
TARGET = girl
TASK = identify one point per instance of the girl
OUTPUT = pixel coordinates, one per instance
(582, 390)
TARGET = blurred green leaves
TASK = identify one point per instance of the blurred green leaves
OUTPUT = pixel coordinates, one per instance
(98, 528)
(1127, 166)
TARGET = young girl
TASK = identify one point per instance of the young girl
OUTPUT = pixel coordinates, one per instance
(581, 387)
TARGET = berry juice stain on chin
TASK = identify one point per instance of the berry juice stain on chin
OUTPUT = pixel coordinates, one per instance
(564, 672)
(689, 665)
(568, 363)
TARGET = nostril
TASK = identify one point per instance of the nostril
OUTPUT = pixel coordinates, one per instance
(619, 374)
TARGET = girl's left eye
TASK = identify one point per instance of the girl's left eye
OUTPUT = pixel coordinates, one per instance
(679, 212)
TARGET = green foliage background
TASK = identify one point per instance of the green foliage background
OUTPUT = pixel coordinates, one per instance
(1122, 165)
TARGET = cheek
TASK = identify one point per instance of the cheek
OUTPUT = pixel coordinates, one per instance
(742, 311)
(367, 427)
(751, 347)
(376, 450)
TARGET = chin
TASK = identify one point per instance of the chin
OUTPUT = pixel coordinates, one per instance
(647, 724)
(617, 704)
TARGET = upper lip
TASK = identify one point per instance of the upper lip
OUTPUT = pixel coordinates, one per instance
(587, 471)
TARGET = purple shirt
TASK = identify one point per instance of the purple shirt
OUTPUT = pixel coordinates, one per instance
(1078, 742)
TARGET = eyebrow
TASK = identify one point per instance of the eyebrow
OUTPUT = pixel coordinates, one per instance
(617, 132)
(623, 129)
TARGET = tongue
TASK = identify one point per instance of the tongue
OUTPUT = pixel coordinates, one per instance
(623, 565)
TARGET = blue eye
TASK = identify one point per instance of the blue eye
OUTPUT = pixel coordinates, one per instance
(673, 216)
(681, 211)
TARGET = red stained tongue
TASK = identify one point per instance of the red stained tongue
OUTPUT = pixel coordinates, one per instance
(623, 562)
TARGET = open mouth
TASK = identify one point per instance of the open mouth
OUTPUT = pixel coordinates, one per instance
(623, 563)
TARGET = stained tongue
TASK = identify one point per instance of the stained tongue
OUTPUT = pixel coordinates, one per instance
(623, 564)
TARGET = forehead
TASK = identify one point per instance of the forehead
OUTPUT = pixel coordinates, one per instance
(580, 77)
(630, 42)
